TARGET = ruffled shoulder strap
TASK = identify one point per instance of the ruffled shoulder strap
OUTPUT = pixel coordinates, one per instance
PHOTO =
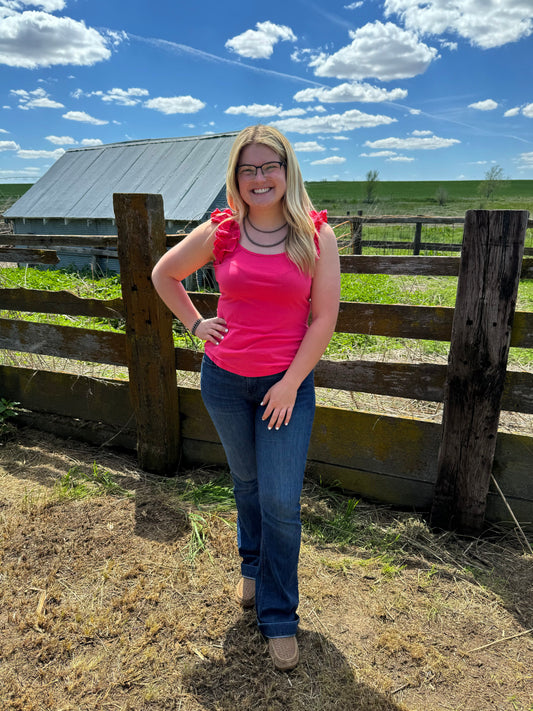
(319, 219)
(227, 234)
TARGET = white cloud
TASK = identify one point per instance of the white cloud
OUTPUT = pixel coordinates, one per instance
(413, 144)
(308, 146)
(378, 154)
(47, 5)
(3, 130)
(332, 160)
(512, 112)
(422, 133)
(491, 23)
(354, 5)
(84, 118)
(528, 110)
(333, 123)
(61, 140)
(175, 104)
(525, 160)
(415, 112)
(123, 97)
(36, 99)
(36, 39)
(32, 155)
(354, 91)
(486, 105)
(254, 110)
(259, 43)
(384, 51)
(340, 138)
(400, 159)
(91, 142)
(9, 146)
(452, 46)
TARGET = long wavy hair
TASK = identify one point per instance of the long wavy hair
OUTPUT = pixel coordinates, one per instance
(296, 202)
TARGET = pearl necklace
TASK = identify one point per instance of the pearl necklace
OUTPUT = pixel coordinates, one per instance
(258, 244)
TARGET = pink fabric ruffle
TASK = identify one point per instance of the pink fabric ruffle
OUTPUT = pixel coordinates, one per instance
(227, 235)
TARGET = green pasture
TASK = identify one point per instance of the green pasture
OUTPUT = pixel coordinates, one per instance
(371, 288)
(419, 197)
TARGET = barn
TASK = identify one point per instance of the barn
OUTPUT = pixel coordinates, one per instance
(75, 196)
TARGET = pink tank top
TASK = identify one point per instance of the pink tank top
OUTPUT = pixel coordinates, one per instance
(264, 299)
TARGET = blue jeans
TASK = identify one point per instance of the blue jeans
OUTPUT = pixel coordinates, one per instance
(267, 467)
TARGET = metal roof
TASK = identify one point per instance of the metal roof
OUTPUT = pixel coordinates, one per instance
(188, 172)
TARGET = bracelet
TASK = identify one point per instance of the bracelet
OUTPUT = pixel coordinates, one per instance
(195, 326)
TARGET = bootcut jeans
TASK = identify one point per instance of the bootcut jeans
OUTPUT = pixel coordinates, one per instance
(267, 468)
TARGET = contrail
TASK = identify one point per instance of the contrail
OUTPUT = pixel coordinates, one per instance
(200, 54)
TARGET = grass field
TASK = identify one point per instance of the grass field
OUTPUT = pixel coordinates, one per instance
(419, 197)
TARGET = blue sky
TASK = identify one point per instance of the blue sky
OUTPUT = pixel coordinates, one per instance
(415, 89)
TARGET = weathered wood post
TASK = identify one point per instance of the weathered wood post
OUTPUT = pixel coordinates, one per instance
(491, 258)
(418, 238)
(356, 226)
(151, 359)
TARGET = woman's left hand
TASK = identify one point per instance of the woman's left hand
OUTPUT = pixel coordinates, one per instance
(279, 402)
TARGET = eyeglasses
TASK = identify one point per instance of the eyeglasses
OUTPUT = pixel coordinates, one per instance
(247, 172)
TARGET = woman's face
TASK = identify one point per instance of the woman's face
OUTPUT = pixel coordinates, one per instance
(264, 189)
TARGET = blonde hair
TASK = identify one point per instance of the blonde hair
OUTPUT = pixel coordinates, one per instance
(296, 202)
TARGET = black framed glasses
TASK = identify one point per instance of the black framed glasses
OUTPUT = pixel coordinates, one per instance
(247, 172)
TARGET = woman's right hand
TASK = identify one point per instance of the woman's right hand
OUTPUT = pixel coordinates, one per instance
(212, 330)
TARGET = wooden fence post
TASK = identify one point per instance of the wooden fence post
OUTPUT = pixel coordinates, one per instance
(356, 226)
(491, 259)
(418, 238)
(151, 358)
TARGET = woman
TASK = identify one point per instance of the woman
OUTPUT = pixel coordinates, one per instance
(277, 266)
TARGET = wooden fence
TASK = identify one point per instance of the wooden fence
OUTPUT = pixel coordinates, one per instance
(406, 462)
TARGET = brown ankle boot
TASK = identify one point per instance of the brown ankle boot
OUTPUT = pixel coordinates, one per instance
(245, 592)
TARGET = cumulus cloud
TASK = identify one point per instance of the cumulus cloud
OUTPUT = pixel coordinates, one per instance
(528, 110)
(261, 110)
(259, 43)
(512, 112)
(308, 146)
(32, 155)
(61, 140)
(416, 143)
(378, 154)
(332, 160)
(175, 104)
(32, 39)
(354, 5)
(84, 117)
(486, 105)
(354, 91)
(9, 146)
(384, 51)
(91, 142)
(400, 159)
(123, 97)
(36, 99)
(485, 25)
(333, 123)
(46, 5)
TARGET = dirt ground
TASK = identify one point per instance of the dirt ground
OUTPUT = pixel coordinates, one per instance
(124, 601)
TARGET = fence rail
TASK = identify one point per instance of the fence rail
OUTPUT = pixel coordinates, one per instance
(399, 460)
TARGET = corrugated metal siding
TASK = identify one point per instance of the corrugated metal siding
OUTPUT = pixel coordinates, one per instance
(188, 172)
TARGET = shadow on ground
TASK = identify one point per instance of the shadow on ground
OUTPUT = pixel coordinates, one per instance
(245, 679)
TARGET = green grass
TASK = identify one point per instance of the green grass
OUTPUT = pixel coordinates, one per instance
(10, 193)
(418, 197)
(370, 288)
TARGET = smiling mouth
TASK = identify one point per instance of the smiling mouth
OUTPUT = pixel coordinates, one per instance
(260, 191)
